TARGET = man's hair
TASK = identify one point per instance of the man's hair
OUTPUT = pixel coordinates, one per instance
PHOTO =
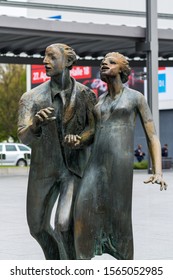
(68, 51)
(124, 65)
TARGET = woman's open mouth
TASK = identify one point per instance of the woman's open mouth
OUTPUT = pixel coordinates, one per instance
(104, 68)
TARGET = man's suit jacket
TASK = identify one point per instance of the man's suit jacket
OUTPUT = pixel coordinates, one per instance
(47, 161)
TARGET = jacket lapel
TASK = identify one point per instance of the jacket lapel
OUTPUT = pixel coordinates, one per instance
(70, 108)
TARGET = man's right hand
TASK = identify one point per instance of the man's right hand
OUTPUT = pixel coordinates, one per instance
(42, 117)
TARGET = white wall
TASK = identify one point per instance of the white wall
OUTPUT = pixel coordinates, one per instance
(12, 11)
(165, 6)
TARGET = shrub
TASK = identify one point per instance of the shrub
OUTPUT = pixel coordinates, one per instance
(140, 165)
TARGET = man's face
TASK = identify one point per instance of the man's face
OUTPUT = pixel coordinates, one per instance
(54, 61)
(110, 67)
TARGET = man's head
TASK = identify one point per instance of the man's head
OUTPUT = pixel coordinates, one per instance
(57, 58)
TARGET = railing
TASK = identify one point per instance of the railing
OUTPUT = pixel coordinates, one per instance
(167, 162)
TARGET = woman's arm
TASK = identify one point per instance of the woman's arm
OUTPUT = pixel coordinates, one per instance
(86, 137)
(153, 143)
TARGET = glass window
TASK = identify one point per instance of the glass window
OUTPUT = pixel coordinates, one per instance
(10, 148)
(23, 148)
(0, 148)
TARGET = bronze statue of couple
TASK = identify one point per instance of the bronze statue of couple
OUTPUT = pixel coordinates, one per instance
(82, 156)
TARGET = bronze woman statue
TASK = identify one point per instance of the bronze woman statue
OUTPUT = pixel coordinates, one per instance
(102, 213)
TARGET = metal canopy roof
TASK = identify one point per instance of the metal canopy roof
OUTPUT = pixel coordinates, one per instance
(25, 37)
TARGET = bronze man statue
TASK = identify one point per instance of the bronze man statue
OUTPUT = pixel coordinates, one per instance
(56, 120)
(102, 215)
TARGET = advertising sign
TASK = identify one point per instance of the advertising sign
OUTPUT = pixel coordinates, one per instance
(89, 76)
(165, 78)
(86, 75)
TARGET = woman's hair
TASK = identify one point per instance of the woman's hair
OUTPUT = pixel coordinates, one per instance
(68, 51)
(124, 65)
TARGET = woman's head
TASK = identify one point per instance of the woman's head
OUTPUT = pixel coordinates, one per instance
(120, 60)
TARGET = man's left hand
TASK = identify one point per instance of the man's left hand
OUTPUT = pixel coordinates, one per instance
(72, 140)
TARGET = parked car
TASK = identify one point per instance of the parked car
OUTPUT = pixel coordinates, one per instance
(14, 154)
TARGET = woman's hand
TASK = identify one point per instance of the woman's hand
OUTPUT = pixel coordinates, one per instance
(157, 179)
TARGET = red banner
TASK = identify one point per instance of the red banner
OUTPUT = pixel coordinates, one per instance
(81, 72)
(38, 73)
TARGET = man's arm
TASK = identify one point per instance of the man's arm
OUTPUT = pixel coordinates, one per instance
(29, 122)
(25, 118)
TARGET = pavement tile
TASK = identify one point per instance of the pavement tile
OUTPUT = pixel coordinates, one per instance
(152, 215)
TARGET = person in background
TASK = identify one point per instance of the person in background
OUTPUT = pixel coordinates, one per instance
(139, 154)
(165, 150)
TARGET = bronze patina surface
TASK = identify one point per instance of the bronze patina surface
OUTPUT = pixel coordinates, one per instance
(56, 120)
(103, 206)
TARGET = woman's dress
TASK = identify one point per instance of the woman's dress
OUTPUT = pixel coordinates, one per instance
(102, 214)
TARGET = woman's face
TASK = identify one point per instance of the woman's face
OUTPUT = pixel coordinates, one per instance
(110, 67)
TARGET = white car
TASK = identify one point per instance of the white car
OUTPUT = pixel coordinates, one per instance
(14, 154)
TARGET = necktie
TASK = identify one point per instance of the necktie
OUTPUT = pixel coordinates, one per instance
(58, 105)
(59, 116)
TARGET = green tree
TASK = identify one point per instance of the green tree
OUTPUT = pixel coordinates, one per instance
(12, 85)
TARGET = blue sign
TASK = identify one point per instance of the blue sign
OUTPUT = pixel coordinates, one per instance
(162, 83)
(56, 17)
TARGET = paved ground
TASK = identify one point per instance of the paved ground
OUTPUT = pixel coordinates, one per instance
(152, 219)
